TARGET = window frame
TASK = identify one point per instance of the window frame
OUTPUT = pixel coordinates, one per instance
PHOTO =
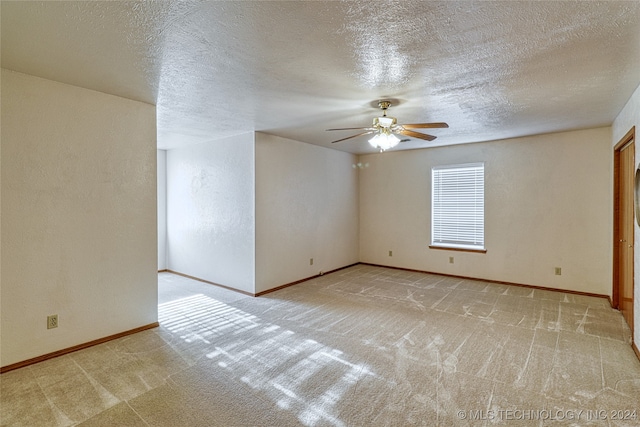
(464, 247)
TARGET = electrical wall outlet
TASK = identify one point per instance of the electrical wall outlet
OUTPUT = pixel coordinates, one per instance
(310, 261)
(390, 253)
(450, 260)
(558, 271)
(52, 321)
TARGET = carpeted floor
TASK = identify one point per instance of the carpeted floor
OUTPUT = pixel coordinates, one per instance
(364, 346)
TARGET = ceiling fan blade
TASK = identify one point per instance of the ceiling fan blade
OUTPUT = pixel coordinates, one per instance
(425, 125)
(417, 135)
(352, 136)
(369, 128)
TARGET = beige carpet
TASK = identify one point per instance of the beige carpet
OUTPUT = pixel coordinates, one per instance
(364, 346)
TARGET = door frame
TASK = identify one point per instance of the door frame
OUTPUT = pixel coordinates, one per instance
(629, 138)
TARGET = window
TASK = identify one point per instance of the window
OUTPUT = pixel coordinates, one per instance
(457, 206)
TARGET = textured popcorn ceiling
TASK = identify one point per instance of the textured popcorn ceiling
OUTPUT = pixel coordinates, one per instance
(490, 69)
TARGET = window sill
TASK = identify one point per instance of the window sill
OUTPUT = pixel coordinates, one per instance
(448, 248)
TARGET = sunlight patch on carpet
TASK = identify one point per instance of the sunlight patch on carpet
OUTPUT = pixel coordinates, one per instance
(298, 374)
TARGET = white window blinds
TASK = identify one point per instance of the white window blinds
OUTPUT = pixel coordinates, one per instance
(457, 210)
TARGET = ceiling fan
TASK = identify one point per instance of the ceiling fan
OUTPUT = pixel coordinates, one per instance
(386, 127)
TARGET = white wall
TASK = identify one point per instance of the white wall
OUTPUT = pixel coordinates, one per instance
(306, 207)
(78, 215)
(210, 211)
(162, 209)
(548, 204)
(629, 117)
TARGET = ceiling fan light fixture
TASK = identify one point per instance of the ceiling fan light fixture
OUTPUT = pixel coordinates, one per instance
(384, 140)
(385, 127)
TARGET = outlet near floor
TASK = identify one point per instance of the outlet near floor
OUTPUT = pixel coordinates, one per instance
(52, 321)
